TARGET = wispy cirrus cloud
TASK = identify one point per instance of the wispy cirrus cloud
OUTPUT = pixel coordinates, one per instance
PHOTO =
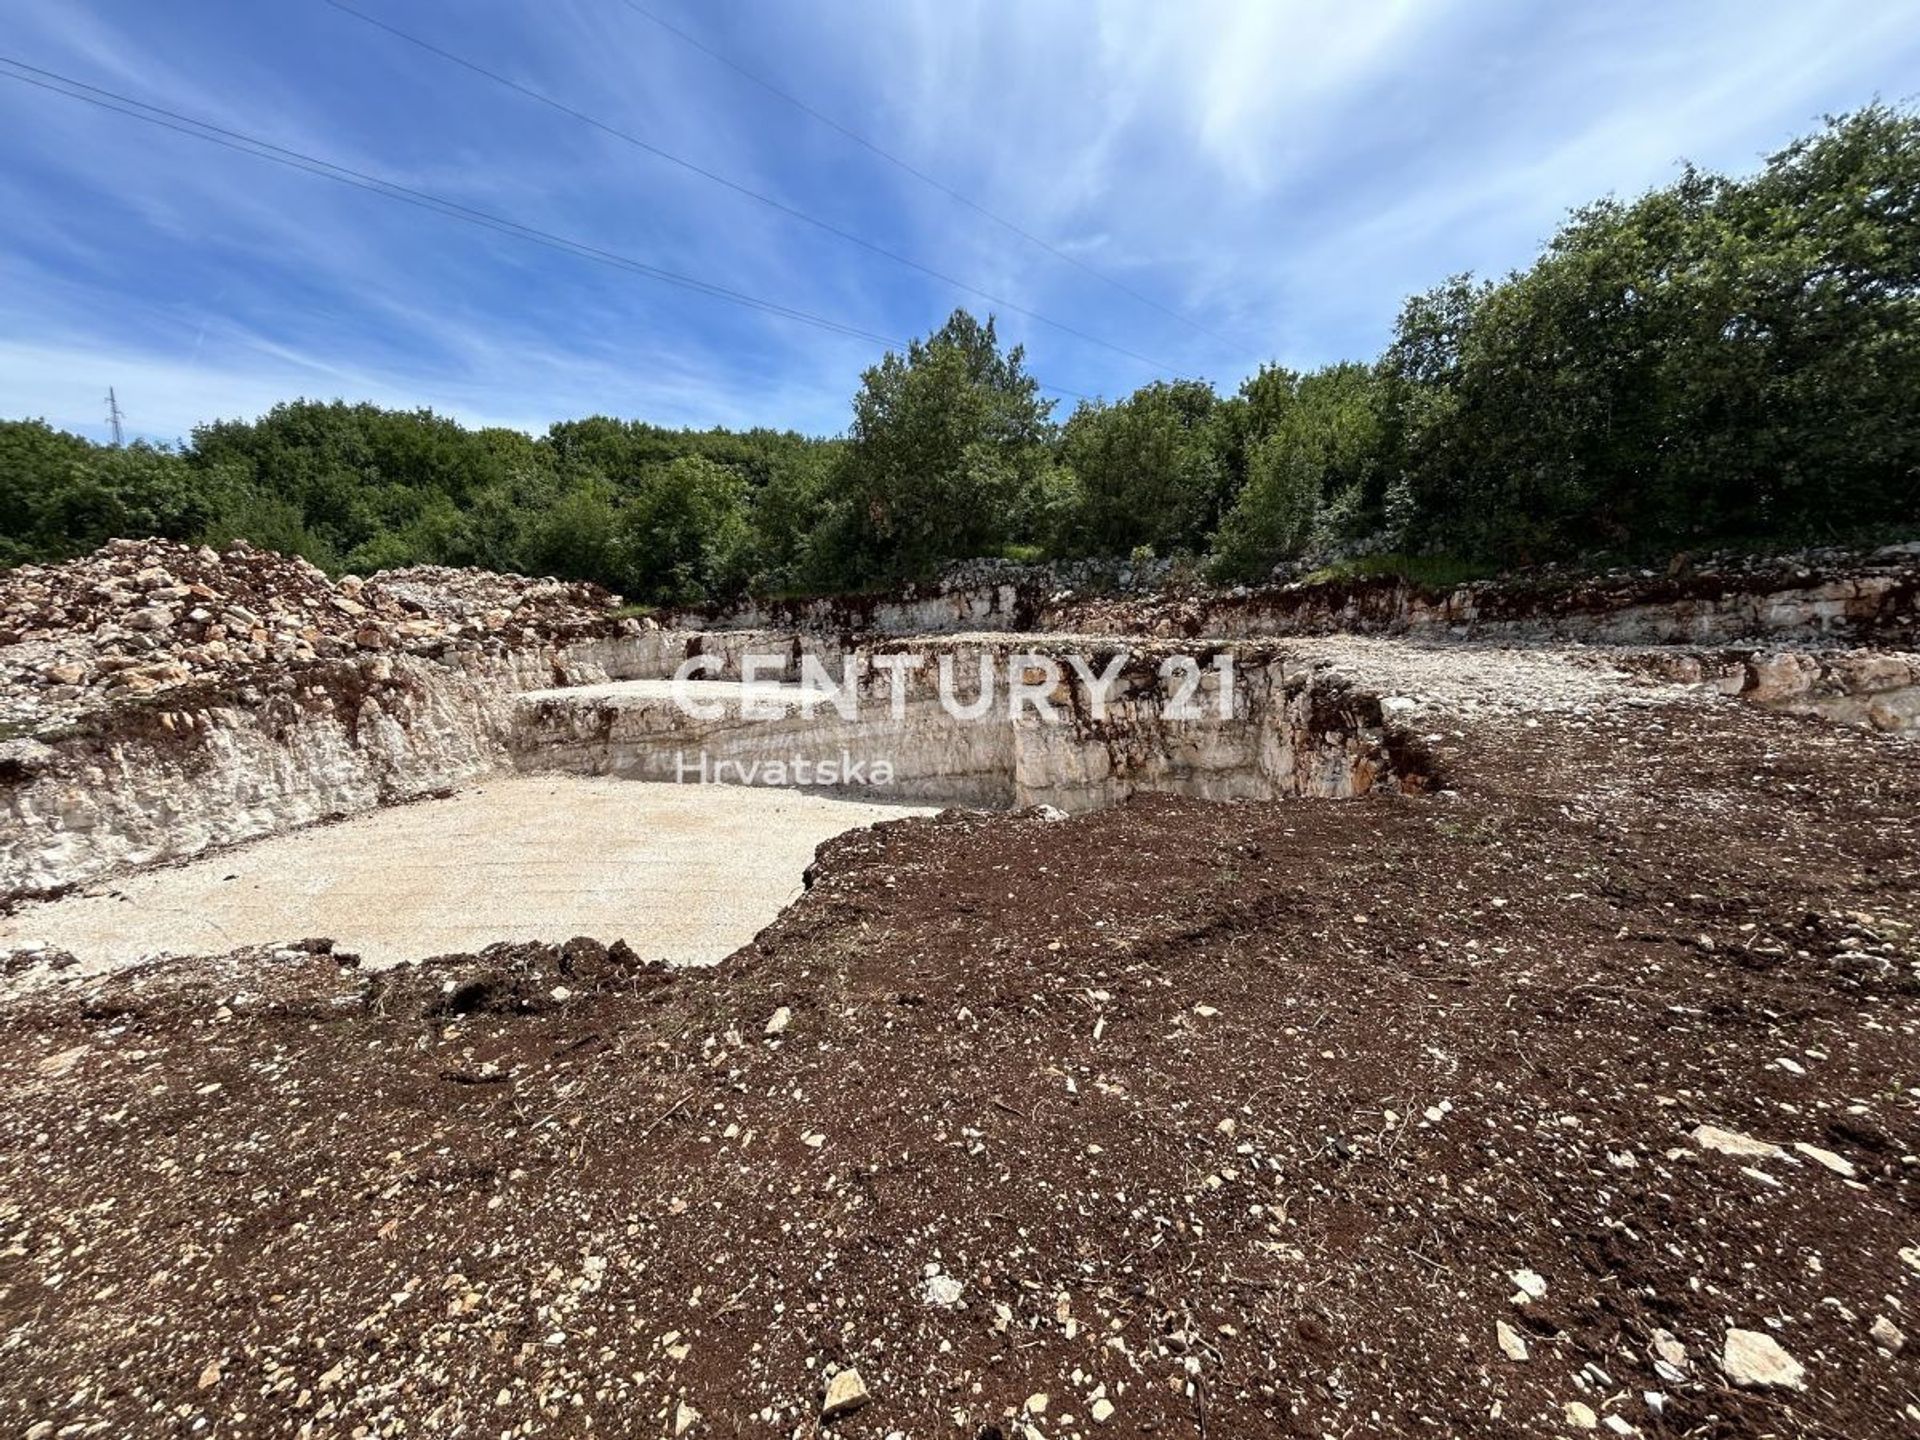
(1282, 173)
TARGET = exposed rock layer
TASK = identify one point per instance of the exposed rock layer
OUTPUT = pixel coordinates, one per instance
(1272, 729)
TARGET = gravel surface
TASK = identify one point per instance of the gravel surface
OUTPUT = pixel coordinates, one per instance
(685, 873)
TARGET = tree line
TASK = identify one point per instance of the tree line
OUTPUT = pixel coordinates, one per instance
(1720, 359)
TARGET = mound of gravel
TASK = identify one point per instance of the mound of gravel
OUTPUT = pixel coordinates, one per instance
(141, 616)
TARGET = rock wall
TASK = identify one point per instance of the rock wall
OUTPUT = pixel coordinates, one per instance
(1881, 608)
(171, 776)
(990, 604)
(194, 770)
(1285, 732)
(1875, 688)
(1830, 597)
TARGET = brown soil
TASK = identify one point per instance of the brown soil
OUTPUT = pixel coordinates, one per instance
(1239, 1118)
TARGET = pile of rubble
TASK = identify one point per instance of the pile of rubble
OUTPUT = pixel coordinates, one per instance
(141, 616)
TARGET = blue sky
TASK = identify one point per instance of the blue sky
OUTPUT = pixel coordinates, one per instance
(1281, 174)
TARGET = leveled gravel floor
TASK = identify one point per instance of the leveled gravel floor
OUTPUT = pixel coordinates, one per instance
(686, 873)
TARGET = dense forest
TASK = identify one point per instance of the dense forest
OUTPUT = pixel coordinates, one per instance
(1721, 359)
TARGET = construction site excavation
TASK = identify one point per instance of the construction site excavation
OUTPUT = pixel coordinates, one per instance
(888, 721)
(450, 1003)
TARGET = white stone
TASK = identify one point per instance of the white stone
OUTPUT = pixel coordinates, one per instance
(846, 1392)
(779, 1020)
(1732, 1142)
(1532, 1286)
(1887, 1335)
(1758, 1361)
(1512, 1344)
(1838, 1164)
(1667, 1346)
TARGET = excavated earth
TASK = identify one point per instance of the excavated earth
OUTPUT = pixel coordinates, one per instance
(1241, 1118)
(1496, 1110)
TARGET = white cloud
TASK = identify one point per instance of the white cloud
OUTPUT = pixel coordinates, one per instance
(1283, 172)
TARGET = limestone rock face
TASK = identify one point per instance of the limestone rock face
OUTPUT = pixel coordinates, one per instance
(1274, 729)
(256, 764)
(164, 699)
(1827, 595)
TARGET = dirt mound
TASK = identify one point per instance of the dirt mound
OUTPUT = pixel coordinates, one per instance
(524, 978)
(138, 617)
(1582, 1099)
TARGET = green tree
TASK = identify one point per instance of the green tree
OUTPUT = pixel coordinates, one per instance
(573, 537)
(685, 534)
(1716, 357)
(1149, 470)
(1313, 474)
(946, 442)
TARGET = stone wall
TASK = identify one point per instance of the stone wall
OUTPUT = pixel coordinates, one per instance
(1875, 688)
(1879, 607)
(195, 772)
(1280, 732)
(1827, 597)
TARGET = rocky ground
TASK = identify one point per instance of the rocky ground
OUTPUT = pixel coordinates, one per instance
(1582, 1096)
(1824, 593)
(140, 617)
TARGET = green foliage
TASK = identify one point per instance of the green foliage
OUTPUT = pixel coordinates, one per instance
(1433, 572)
(271, 523)
(1150, 470)
(685, 534)
(1312, 476)
(1718, 357)
(61, 496)
(573, 537)
(1717, 360)
(948, 443)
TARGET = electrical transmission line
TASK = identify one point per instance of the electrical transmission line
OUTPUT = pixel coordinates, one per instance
(114, 416)
(826, 225)
(165, 119)
(892, 159)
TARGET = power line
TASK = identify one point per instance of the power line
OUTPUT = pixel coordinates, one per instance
(918, 174)
(264, 150)
(114, 415)
(165, 119)
(718, 179)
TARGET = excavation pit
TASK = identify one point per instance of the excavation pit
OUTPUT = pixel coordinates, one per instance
(546, 836)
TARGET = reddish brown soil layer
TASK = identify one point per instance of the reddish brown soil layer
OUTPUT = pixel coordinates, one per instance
(498, 1195)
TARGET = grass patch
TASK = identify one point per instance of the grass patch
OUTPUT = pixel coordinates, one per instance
(1436, 572)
